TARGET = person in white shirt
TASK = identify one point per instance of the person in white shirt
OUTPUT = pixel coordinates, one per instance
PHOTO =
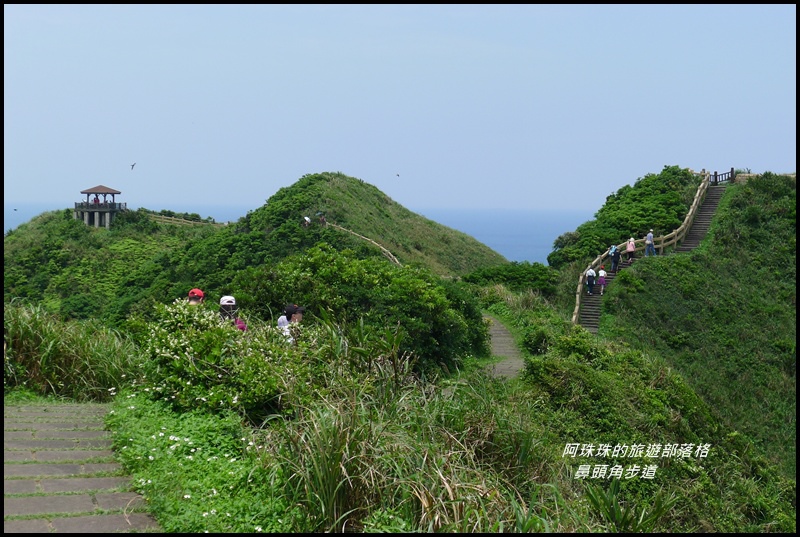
(590, 276)
(601, 279)
(292, 313)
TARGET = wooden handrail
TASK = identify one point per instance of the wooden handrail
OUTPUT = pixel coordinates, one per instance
(385, 251)
(661, 242)
(162, 219)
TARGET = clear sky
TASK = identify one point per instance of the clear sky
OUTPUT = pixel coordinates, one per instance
(439, 106)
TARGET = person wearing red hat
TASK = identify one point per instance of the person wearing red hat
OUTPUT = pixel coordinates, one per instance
(196, 296)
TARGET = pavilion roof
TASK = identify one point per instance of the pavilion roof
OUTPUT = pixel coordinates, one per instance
(100, 189)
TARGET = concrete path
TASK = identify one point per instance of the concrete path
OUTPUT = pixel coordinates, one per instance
(60, 476)
(503, 345)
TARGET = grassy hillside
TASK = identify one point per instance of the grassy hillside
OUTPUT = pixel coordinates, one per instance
(82, 272)
(362, 208)
(690, 381)
(724, 316)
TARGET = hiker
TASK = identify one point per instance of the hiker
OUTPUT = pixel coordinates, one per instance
(306, 221)
(292, 314)
(631, 249)
(649, 246)
(590, 276)
(601, 279)
(196, 296)
(615, 257)
(229, 311)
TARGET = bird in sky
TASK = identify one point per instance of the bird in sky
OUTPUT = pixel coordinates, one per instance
(132, 165)
(398, 175)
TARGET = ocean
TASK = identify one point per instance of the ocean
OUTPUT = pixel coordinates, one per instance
(517, 235)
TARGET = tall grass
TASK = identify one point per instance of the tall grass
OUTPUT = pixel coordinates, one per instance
(409, 466)
(84, 361)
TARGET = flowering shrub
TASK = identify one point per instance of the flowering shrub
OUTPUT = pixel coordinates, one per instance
(193, 359)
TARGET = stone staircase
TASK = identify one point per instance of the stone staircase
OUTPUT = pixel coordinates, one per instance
(590, 304)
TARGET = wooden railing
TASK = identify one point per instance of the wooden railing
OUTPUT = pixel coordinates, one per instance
(717, 178)
(660, 243)
(100, 206)
(161, 219)
(385, 251)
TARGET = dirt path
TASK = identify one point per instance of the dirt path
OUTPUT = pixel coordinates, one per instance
(503, 345)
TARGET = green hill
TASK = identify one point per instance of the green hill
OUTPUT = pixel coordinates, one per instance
(82, 272)
(691, 376)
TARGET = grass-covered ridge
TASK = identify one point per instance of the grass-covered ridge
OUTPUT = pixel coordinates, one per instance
(239, 432)
(81, 272)
(725, 314)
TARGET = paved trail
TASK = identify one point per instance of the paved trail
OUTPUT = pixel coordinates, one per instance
(59, 474)
(503, 345)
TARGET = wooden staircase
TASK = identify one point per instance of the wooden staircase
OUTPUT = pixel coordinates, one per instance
(702, 221)
(590, 304)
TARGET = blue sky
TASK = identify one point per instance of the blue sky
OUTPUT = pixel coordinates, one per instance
(528, 107)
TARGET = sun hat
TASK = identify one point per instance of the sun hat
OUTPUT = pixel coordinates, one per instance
(227, 300)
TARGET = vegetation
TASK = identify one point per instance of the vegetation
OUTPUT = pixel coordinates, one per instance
(659, 202)
(380, 418)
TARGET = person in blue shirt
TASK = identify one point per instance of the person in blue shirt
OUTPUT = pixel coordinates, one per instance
(649, 247)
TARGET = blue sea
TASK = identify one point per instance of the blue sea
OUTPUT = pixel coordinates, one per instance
(517, 235)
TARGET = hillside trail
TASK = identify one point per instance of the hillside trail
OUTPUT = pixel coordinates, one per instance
(504, 346)
(58, 459)
(60, 474)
